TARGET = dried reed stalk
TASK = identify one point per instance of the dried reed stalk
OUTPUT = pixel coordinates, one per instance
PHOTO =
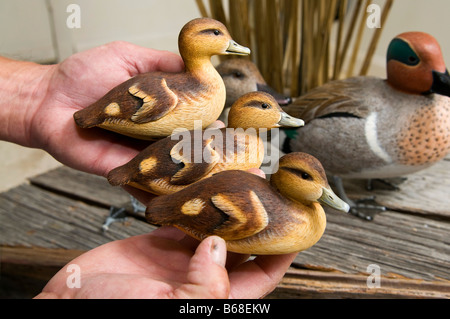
(292, 40)
(375, 38)
(356, 48)
(202, 8)
(349, 36)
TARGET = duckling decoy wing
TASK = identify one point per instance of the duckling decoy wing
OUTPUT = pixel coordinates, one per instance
(192, 170)
(153, 108)
(210, 209)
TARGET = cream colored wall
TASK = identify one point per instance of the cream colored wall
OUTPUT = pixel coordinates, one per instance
(25, 30)
(36, 30)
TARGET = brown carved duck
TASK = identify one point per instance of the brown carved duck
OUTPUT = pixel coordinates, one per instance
(253, 216)
(372, 128)
(151, 105)
(242, 76)
(183, 158)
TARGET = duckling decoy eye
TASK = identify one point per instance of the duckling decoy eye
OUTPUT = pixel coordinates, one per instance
(237, 74)
(302, 174)
(213, 31)
(305, 176)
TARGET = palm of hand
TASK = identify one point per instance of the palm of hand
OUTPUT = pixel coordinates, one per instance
(147, 266)
(162, 264)
(78, 82)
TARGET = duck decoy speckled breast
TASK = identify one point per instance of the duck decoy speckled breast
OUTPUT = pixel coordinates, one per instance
(367, 127)
(242, 76)
(177, 161)
(151, 105)
(253, 216)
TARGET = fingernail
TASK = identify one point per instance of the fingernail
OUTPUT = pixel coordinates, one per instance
(218, 251)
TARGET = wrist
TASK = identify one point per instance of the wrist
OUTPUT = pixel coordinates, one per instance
(23, 86)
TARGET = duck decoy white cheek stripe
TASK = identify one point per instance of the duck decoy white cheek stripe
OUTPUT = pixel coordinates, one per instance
(372, 138)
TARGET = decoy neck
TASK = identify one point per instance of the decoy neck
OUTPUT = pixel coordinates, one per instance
(202, 38)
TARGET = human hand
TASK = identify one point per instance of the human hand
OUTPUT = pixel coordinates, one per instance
(166, 263)
(76, 83)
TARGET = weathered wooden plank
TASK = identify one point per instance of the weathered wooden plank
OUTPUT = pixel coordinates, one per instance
(37, 256)
(31, 216)
(400, 244)
(425, 192)
(86, 187)
(318, 284)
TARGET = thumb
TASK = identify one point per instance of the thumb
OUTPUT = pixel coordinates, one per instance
(142, 60)
(207, 276)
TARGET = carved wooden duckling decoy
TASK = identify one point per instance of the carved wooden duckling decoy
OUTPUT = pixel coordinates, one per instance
(253, 216)
(151, 105)
(367, 127)
(170, 165)
(242, 76)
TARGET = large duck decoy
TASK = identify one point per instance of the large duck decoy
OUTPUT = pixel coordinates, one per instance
(371, 128)
(183, 158)
(151, 105)
(251, 215)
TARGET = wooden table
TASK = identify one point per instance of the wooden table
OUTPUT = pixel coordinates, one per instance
(58, 215)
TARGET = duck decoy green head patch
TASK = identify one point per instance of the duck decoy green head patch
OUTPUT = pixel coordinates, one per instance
(401, 51)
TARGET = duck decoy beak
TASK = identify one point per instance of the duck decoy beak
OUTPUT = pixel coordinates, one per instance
(331, 199)
(280, 98)
(441, 83)
(235, 48)
(290, 121)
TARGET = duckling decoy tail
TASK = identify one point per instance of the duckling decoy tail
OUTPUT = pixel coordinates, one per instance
(88, 118)
(152, 105)
(251, 214)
